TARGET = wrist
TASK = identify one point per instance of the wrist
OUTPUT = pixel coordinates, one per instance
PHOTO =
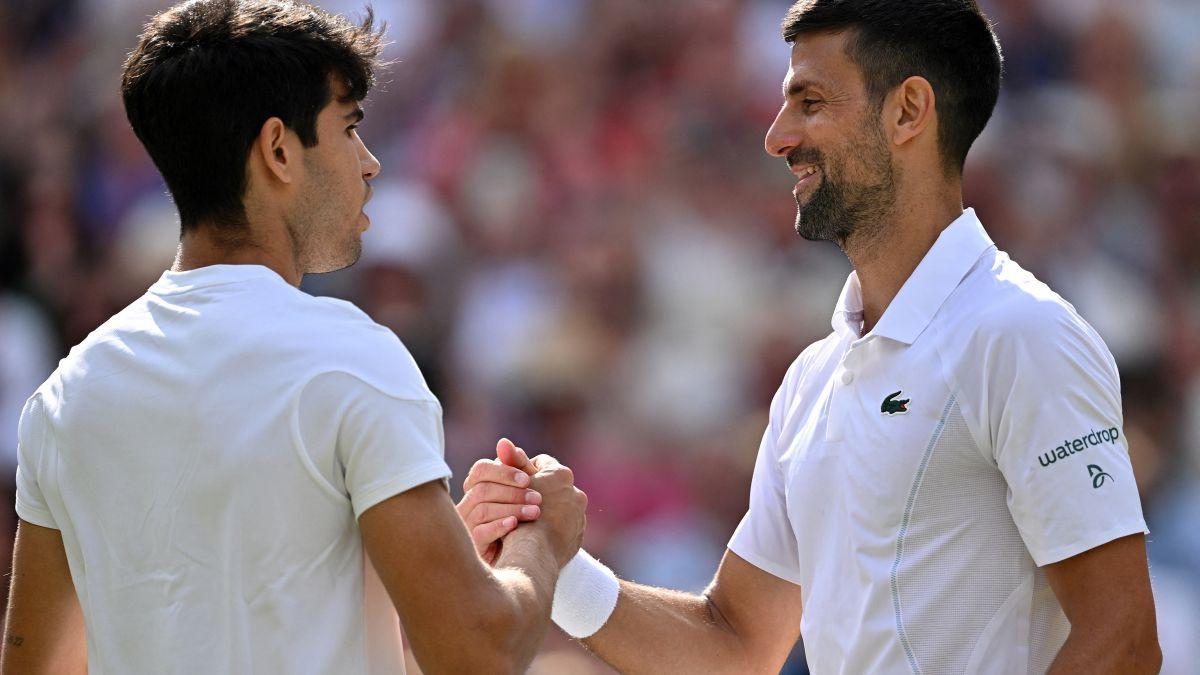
(585, 596)
(538, 536)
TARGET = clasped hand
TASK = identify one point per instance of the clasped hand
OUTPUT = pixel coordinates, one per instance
(503, 492)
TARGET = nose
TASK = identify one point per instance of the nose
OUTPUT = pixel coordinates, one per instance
(783, 136)
(370, 165)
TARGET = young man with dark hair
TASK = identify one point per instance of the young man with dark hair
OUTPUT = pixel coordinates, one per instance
(230, 475)
(903, 515)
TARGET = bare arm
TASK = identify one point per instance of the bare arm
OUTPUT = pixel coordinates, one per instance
(747, 621)
(1106, 595)
(459, 615)
(44, 631)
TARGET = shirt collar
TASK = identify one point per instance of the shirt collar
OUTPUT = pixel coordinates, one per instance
(211, 275)
(938, 274)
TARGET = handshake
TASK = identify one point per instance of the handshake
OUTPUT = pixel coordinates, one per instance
(503, 492)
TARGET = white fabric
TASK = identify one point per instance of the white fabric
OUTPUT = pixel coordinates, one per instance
(585, 596)
(205, 454)
(916, 536)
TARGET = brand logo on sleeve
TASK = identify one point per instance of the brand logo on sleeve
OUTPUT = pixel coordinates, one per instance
(1077, 445)
(893, 407)
(1098, 475)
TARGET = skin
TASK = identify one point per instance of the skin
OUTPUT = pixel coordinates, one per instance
(304, 205)
(44, 630)
(460, 615)
(882, 193)
(304, 211)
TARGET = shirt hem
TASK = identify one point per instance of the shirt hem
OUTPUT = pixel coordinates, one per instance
(32, 514)
(365, 499)
(1061, 553)
(769, 566)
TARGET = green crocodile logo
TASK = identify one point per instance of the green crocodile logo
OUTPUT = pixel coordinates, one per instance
(893, 407)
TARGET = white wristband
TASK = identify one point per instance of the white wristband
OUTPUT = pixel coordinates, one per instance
(585, 596)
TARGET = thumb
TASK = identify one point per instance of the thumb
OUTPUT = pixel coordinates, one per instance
(513, 456)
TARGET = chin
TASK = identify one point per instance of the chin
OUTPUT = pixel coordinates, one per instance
(332, 263)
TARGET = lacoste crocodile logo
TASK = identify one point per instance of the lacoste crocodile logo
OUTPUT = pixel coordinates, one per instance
(893, 407)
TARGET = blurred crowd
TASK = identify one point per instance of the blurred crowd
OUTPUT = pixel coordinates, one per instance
(578, 235)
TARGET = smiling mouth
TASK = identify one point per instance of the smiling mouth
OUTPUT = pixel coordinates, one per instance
(805, 175)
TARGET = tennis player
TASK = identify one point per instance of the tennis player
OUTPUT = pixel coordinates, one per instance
(199, 478)
(943, 485)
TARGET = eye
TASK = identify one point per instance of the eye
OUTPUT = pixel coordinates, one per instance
(810, 103)
(350, 129)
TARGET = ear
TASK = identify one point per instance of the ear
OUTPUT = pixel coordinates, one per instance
(277, 149)
(911, 110)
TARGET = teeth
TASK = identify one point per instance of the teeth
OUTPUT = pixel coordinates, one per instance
(810, 170)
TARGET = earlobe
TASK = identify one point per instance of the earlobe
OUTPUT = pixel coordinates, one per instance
(915, 107)
(273, 148)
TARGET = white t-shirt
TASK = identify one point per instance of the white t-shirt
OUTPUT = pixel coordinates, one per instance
(206, 453)
(912, 481)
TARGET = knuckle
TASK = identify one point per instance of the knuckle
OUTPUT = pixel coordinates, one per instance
(484, 492)
(475, 475)
(470, 497)
(486, 512)
(480, 533)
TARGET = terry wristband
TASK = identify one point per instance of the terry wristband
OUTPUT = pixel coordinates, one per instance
(585, 596)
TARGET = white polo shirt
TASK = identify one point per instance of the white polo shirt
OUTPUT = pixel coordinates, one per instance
(911, 481)
(205, 454)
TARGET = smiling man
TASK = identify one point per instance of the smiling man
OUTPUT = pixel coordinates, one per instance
(233, 476)
(902, 515)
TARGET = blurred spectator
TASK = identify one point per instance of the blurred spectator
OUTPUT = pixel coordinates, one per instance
(577, 234)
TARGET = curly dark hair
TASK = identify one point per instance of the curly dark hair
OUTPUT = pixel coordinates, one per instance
(206, 75)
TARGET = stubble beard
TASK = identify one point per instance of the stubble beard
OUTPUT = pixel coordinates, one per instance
(320, 243)
(331, 255)
(858, 204)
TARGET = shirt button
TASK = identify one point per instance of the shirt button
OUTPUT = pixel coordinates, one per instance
(847, 377)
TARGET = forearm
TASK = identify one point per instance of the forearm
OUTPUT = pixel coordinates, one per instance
(655, 630)
(502, 627)
(527, 573)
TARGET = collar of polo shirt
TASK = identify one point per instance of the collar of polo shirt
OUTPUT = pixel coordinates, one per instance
(939, 273)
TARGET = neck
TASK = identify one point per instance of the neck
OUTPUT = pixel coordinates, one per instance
(885, 254)
(204, 245)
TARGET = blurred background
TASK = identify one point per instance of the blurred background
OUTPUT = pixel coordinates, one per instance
(578, 235)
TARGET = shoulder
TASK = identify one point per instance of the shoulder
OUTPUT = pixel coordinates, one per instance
(340, 337)
(1005, 319)
(808, 364)
(999, 301)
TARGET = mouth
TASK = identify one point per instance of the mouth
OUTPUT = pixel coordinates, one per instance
(804, 175)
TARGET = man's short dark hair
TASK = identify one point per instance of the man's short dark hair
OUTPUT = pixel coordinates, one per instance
(207, 74)
(948, 42)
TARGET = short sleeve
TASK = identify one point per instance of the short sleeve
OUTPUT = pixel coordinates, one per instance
(369, 444)
(1053, 405)
(32, 448)
(765, 538)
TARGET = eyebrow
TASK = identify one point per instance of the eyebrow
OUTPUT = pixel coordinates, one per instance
(796, 88)
(355, 115)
